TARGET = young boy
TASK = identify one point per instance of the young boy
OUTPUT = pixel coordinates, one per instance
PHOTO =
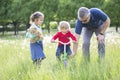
(63, 35)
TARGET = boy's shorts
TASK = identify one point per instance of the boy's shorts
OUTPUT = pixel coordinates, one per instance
(60, 50)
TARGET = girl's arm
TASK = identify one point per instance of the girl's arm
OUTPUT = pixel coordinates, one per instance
(75, 45)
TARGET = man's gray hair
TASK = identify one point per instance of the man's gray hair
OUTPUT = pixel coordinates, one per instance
(82, 12)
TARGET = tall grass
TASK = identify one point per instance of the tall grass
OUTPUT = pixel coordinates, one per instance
(16, 63)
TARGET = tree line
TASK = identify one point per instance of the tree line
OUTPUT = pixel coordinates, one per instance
(17, 12)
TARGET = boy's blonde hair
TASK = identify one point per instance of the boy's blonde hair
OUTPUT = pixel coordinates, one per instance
(63, 24)
(36, 15)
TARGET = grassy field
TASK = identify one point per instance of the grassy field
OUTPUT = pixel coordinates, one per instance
(16, 64)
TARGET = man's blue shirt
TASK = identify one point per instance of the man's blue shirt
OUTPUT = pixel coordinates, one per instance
(97, 17)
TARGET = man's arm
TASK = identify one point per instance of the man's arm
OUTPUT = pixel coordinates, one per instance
(75, 45)
(105, 25)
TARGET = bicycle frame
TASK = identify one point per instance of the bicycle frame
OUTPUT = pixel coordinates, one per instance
(64, 57)
(65, 53)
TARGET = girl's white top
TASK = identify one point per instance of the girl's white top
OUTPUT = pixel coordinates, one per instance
(37, 27)
(28, 35)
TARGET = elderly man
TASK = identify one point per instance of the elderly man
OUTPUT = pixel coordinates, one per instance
(90, 21)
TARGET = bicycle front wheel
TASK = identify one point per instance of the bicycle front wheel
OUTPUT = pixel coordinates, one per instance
(65, 63)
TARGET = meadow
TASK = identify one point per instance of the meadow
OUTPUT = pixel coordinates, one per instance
(16, 63)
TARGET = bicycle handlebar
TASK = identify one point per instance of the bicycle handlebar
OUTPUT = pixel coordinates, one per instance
(64, 43)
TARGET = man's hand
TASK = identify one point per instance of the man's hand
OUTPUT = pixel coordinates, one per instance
(100, 38)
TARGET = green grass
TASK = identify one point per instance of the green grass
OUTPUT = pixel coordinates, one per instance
(16, 63)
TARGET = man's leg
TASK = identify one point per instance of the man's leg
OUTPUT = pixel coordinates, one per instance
(101, 45)
(87, 34)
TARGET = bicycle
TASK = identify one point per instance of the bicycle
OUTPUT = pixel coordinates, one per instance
(64, 57)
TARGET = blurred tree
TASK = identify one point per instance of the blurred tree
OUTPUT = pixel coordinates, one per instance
(4, 7)
(112, 8)
(49, 8)
(53, 25)
(19, 11)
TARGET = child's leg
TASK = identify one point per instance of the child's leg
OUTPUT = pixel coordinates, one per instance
(58, 52)
(39, 61)
(58, 58)
(68, 51)
(35, 62)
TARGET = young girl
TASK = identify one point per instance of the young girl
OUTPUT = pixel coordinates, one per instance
(36, 47)
(64, 36)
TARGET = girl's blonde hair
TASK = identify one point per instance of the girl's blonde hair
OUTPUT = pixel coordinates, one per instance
(36, 15)
(63, 24)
